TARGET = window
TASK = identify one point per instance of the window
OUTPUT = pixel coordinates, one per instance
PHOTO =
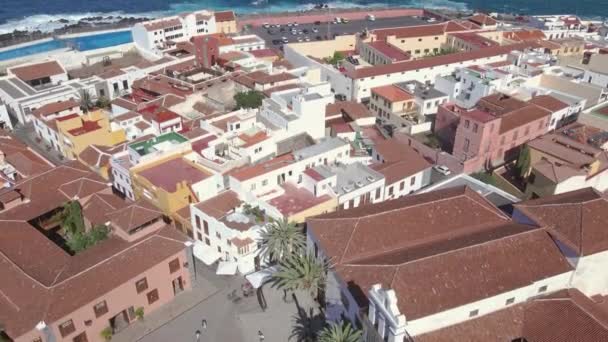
(466, 123)
(205, 227)
(542, 289)
(125, 84)
(412, 180)
(219, 249)
(419, 39)
(475, 127)
(152, 296)
(207, 242)
(228, 242)
(174, 265)
(466, 145)
(100, 308)
(474, 313)
(199, 236)
(378, 193)
(265, 182)
(66, 328)
(82, 337)
(402, 186)
(198, 221)
(218, 235)
(141, 285)
(390, 191)
(252, 186)
(510, 301)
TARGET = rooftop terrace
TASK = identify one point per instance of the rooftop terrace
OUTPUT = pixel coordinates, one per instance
(160, 143)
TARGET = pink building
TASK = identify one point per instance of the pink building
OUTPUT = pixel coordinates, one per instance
(50, 293)
(492, 132)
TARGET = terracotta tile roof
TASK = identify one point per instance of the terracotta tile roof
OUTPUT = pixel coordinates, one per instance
(142, 125)
(521, 117)
(483, 20)
(567, 150)
(548, 102)
(417, 31)
(525, 35)
(396, 171)
(162, 23)
(220, 205)
(169, 174)
(263, 53)
(96, 208)
(252, 171)
(563, 316)
(556, 172)
(254, 139)
(133, 215)
(399, 243)
(124, 103)
(38, 70)
(475, 39)
(350, 110)
(41, 282)
(576, 218)
(296, 200)
(390, 51)
(224, 16)
(204, 108)
(67, 180)
(463, 209)
(25, 161)
(392, 93)
(438, 60)
(500, 103)
(56, 107)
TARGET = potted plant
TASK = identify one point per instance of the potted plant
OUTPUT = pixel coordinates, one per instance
(106, 334)
(139, 313)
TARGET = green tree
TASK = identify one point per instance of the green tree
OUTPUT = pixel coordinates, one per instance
(71, 218)
(443, 51)
(281, 239)
(523, 162)
(340, 332)
(250, 99)
(335, 58)
(301, 272)
(103, 102)
(86, 103)
(139, 313)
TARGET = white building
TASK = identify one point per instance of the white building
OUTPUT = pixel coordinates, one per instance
(299, 110)
(227, 229)
(467, 85)
(155, 34)
(476, 273)
(45, 121)
(597, 71)
(261, 178)
(582, 240)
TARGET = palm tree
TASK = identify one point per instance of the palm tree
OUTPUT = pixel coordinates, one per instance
(86, 103)
(301, 272)
(281, 239)
(306, 326)
(340, 332)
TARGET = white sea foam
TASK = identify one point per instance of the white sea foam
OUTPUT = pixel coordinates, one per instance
(48, 23)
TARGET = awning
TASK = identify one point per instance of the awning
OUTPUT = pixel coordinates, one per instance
(226, 268)
(205, 253)
(258, 278)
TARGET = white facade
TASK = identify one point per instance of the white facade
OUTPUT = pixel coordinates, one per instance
(228, 244)
(467, 86)
(591, 274)
(5, 118)
(394, 325)
(153, 35)
(330, 151)
(298, 111)
(121, 174)
(408, 184)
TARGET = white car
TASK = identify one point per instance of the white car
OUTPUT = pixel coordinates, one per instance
(315, 30)
(307, 39)
(444, 170)
(266, 25)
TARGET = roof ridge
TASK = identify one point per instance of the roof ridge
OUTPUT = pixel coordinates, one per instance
(352, 234)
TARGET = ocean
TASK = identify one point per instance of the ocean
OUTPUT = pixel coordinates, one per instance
(45, 15)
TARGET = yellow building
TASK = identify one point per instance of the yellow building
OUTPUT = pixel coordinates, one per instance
(172, 183)
(78, 132)
(225, 22)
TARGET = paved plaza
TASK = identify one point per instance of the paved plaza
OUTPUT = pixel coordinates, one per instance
(227, 320)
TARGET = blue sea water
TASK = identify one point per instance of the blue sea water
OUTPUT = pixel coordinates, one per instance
(37, 11)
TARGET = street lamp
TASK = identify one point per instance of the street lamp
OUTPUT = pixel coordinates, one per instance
(260, 336)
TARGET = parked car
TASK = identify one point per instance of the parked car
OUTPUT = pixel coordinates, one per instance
(444, 170)
(295, 23)
(315, 30)
(307, 39)
(305, 31)
(371, 17)
(285, 40)
(345, 21)
(266, 25)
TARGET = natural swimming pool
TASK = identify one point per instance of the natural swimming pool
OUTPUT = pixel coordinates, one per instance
(83, 43)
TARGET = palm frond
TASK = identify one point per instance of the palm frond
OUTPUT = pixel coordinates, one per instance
(340, 332)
